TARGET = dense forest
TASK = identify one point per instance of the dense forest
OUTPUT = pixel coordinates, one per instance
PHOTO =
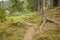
(29, 19)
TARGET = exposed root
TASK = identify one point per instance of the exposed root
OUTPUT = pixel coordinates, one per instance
(53, 21)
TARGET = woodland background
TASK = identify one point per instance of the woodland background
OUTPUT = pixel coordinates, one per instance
(29, 19)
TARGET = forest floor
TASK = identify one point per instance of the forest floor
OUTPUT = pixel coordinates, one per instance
(17, 27)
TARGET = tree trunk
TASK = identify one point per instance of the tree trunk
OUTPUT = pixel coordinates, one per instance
(38, 6)
(43, 15)
(51, 1)
(2, 4)
(59, 3)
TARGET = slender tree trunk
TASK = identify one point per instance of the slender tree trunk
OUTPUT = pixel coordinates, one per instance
(59, 3)
(2, 4)
(38, 7)
(51, 1)
(43, 15)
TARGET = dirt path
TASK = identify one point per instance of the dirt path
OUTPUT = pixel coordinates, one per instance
(29, 32)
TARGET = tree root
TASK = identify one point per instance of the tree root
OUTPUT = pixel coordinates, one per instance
(53, 21)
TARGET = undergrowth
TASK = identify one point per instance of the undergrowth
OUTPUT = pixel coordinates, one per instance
(16, 32)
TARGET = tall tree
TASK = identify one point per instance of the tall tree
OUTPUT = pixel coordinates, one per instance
(59, 3)
(2, 4)
(39, 6)
(43, 15)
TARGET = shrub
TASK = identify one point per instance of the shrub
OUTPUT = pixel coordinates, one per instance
(2, 14)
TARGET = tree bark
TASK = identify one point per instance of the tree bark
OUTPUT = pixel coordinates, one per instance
(43, 15)
(2, 4)
(51, 1)
(59, 3)
(38, 6)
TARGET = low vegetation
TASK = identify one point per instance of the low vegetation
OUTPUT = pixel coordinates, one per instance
(14, 28)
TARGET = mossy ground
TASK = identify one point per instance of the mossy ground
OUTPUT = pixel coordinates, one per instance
(15, 32)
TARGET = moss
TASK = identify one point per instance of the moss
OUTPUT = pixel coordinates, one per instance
(50, 32)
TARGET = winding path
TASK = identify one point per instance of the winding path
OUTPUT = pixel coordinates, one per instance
(29, 32)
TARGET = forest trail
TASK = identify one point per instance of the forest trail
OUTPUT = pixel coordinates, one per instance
(29, 32)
